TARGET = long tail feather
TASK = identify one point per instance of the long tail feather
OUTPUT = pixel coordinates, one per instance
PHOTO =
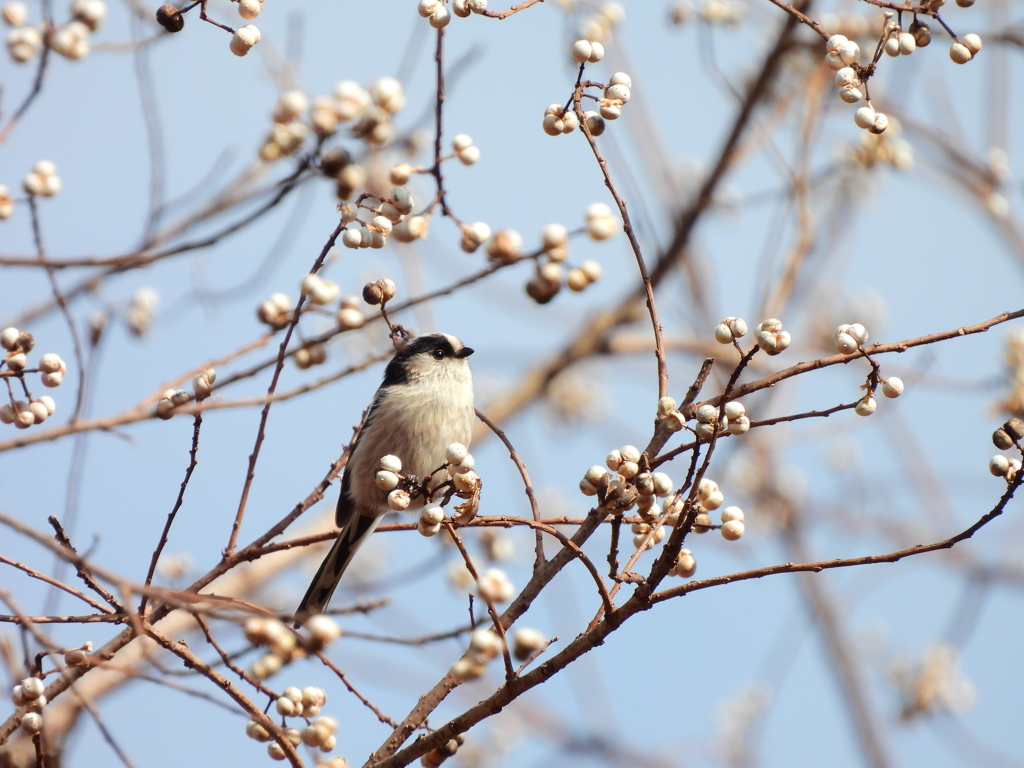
(333, 567)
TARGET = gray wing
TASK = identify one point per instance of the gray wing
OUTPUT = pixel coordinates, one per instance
(355, 529)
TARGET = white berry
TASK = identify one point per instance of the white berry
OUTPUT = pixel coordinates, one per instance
(866, 406)
(892, 387)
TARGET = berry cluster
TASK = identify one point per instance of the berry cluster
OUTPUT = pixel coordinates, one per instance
(318, 290)
(730, 329)
(710, 498)
(559, 119)
(243, 39)
(597, 27)
(438, 755)
(849, 338)
(371, 108)
(733, 418)
(496, 586)
(631, 484)
(70, 39)
(712, 11)
(494, 583)
(284, 645)
(29, 694)
(547, 280)
(438, 16)
(771, 338)
(389, 217)
(35, 410)
(202, 387)
(42, 180)
(1007, 436)
(138, 315)
(275, 311)
(484, 645)
(455, 476)
(305, 703)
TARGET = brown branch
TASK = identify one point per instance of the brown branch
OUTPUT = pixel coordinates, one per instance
(435, 170)
(542, 576)
(84, 571)
(58, 584)
(143, 413)
(891, 557)
(140, 412)
(411, 641)
(385, 758)
(192, 461)
(227, 659)
(802, 18)
(627, 227)
(873, 349)
(514, 9)
(686, 447)
(491, 610)
(192, 661)
(355, 692)
(698, 383)
(92, 618)
(105, 732)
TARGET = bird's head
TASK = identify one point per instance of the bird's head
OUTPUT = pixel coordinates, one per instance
(432, 355)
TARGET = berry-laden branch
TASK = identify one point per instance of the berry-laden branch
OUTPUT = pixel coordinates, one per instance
(141, 412)
(848, 562)
(627, 227)
(638, 603)
(593, 337)
(37, 83)
(182, 651)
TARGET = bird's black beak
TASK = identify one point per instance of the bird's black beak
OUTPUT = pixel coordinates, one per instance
(465, 352)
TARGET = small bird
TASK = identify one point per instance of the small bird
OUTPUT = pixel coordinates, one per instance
(424, 404)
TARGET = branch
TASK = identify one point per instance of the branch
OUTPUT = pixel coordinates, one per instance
(823, 565)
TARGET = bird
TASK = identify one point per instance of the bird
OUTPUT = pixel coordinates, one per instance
(423, 405)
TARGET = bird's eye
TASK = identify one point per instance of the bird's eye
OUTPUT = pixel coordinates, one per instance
(438, 354)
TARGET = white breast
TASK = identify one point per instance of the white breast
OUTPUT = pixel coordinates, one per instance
(415, 422)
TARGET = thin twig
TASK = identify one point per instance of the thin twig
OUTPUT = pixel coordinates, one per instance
(192, 461)
(84, 572)
(495, 619)
(37, 236)
(261, 432)
(58, 584)
(528, 486)
(183, 652)
(627, 227)
(355, 692)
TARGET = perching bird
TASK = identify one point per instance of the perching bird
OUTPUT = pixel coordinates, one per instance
(424, 404)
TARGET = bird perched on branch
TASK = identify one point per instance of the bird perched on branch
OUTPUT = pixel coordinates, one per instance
(424, 404)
